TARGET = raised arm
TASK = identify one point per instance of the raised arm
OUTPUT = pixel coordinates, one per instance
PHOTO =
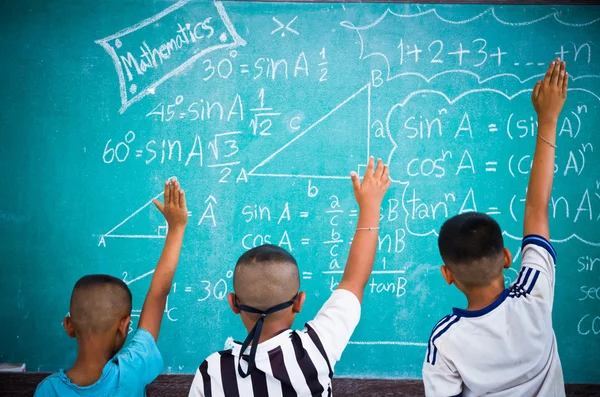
(548, 99)
(175, 212)
(369, 195)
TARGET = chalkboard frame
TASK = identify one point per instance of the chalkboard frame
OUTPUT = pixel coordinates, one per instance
(489, 2)
(24, 384)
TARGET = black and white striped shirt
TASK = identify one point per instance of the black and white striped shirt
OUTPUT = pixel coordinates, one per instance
(291, 364)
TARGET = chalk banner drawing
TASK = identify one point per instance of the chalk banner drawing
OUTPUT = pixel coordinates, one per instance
(142, 67)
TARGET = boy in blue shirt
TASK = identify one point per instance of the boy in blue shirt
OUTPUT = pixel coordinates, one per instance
(100, 313)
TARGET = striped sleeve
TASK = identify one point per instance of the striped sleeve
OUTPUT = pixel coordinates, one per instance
(440, 378)
(537, 275)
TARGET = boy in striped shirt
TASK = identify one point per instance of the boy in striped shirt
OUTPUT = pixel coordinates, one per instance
(274, 360)
(503, 344)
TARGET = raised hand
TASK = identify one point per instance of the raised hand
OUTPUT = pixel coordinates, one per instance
(375, 183)
(549, 95)
(174, 208)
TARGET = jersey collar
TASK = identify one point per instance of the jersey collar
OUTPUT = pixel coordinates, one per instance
(481, 312)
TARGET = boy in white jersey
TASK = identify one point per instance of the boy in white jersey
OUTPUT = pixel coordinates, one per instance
(281, 362)
(503, 344)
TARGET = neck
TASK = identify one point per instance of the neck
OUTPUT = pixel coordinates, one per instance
(272, 329)
(481, 297)
(92, 355)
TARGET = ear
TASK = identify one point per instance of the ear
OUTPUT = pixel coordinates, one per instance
(297, 306)
(447, 274)
(123, 328)
(68, 325)
(231, 300)
(507, 258)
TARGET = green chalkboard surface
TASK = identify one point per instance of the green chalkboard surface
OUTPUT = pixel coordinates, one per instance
(262, 110)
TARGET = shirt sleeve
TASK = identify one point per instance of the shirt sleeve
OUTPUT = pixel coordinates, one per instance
(440, 378)
(140, 361)
(335, 323)
(201, 385)
(537, 275)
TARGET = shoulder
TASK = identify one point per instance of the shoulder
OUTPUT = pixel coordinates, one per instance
(216, 359)
(217, 364)
(47, 386)
(220, 354)
(142, 341)
(441, 332)
(140, 361)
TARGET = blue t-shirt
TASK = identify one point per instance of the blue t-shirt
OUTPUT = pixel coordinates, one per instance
(127, 374)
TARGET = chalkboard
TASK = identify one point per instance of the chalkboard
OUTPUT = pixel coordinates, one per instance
(262, 110)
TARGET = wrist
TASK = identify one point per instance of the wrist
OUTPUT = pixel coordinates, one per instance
(547, 121)
(369, 215)
(177, 230)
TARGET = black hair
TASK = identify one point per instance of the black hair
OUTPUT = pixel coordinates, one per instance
(98, 301)
(471, 245)
(266, 253)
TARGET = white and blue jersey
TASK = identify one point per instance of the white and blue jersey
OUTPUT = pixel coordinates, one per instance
(505, 349)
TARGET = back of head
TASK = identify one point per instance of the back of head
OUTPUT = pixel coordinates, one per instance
(266, 276)
(98, 303)
(471, 246)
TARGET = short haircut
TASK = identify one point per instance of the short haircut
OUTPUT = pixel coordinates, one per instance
(266, 276)
(471, 246)
(98, 302)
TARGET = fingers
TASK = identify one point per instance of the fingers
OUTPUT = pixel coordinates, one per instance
(561, 74)
(355, 181)
(176, 193)
(370, 166)
(159, 205)
(386, 174)
(536, 90)
(563, 79)
(556, 72)
(167, 197)
(378, 170)
(182, 199)
(548, 75)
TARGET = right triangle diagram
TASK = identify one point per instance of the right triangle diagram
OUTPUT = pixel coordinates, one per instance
(330, 147)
